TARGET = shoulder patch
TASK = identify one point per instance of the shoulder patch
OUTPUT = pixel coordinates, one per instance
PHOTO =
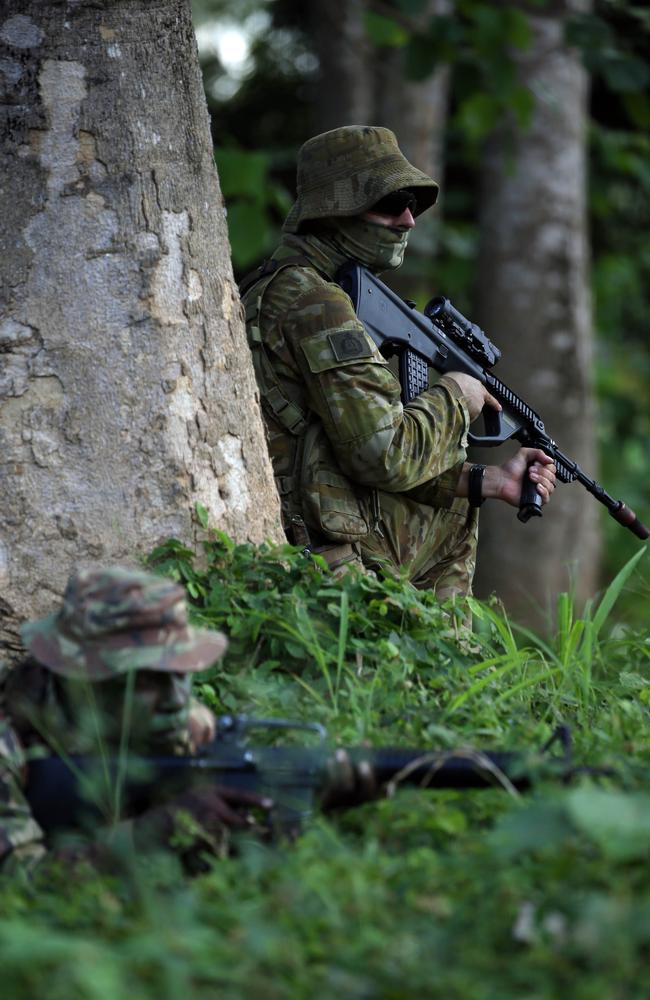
(340, 347)
(348, 344)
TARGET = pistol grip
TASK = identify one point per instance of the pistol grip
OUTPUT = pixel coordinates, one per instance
(530, 502)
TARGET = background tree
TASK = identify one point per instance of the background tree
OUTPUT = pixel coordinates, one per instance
(362, 77)
(533, 294)
(127, 390)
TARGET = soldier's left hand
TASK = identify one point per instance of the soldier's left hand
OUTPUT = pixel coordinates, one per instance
(506, 480)
(202, 725)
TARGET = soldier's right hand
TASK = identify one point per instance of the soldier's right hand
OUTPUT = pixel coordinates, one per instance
(216, 806)
(213, 808)
(474, 393)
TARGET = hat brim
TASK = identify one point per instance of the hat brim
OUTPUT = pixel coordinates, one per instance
(99, 659)
(424, 188)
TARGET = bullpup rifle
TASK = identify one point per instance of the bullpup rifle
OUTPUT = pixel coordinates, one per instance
(66, 793)
(443, 339)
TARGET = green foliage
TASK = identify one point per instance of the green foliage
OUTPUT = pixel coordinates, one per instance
(384, 31)
(500, 895)
(254, 201)
(477, 39)
(603, 54)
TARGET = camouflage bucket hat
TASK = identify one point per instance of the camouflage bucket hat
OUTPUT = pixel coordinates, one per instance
(115, 620)
(346, 171)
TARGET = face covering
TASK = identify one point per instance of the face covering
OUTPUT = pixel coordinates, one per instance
(377, 247)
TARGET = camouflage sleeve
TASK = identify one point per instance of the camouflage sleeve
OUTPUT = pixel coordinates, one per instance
(378, 441)
(21, 838)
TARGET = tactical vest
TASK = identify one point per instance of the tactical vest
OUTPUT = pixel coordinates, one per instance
(316, 493)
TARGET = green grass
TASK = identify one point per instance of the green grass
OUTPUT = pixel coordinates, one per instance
(482, 894)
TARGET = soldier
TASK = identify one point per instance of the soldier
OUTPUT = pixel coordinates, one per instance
(111, 669)
(362, 478)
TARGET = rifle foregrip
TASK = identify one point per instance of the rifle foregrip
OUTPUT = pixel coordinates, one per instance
(530, 502)
(626, 516)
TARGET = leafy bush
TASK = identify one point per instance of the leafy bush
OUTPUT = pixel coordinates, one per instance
(479, 894)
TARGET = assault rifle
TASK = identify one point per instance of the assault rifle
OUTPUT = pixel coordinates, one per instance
(66, 794)
(444, 339)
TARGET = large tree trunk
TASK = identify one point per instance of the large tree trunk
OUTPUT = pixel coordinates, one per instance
(533, 285)
(126, 389)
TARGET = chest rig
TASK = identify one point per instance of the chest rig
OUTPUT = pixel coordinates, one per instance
(314, 492)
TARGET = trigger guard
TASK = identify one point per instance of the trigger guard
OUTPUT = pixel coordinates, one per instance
(493, 429)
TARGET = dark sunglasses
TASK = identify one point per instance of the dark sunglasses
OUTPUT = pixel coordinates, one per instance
(395, 203)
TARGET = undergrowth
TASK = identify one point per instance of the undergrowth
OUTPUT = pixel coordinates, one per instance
(478, 894)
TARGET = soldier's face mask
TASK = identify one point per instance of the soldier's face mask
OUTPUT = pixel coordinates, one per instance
(377, 247)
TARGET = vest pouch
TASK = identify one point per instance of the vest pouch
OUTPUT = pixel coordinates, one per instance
(331, 504)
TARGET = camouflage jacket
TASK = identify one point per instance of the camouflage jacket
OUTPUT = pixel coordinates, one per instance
(22, 842)
(337, 430)
(21, 838)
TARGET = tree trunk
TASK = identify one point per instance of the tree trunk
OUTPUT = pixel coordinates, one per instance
(533, 301)
(416, 110)
(343, 94)
(360, 83)
(126, 388)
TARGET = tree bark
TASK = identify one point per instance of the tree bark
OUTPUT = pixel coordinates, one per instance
(126, 388)
(534, 302)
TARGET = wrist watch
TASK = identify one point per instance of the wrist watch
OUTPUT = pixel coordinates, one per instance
(475, 485)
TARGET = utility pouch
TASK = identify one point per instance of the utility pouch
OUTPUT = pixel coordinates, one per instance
(331, 504)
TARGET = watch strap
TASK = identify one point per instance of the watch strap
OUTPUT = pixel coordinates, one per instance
(475, 485)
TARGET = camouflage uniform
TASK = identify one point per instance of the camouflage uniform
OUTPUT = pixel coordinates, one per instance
(371, 478)
(69, 696)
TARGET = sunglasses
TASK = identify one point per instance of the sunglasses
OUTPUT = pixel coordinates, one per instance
(395, 203)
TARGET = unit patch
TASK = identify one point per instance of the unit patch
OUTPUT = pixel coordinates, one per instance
(348, 344)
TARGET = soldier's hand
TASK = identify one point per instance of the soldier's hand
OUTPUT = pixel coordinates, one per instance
(202, 725)
(218, 806)
(474, 393)
(213, 808)
(505, 481)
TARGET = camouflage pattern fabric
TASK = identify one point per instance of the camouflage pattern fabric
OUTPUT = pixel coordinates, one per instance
(346, 171)
(436, 544)
(70, 698)
(362, 468)
(42, 713)
(21, 838)
(350, 460)
(116, 620)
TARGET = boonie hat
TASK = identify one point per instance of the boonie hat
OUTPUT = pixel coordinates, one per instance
(347, 170)
(116, 620)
